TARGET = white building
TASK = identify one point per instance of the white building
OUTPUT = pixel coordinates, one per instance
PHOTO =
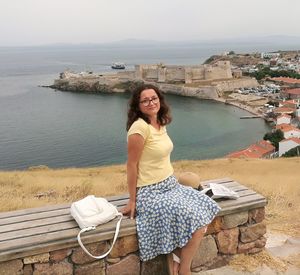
(283, 119)
(289, 131)
(288, 144)
(270, 55)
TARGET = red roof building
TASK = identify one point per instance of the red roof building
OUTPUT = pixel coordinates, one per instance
(261, 149)
(292, 93)
(284, 110)
(286, 80)
(288, 130)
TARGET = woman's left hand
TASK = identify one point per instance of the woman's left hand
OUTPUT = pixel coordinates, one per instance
(129, 209)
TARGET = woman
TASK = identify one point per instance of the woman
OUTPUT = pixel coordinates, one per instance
(169, 217)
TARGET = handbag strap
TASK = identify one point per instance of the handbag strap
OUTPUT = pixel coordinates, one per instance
(93, 227)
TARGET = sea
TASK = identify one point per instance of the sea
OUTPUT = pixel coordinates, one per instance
(41, 126)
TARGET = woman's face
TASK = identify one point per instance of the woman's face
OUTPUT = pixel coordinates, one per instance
(149, 102)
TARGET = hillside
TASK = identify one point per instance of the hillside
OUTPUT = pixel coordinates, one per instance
(276, 179)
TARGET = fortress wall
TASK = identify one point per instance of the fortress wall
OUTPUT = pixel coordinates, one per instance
(236, 84)
(126, 75)
(175, 73)
(220, 70)
(198, 73)
(204, 92)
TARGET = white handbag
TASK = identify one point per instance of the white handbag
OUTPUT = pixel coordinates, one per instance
(90, 212)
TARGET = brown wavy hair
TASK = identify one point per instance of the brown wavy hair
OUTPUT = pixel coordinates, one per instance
(134, 112)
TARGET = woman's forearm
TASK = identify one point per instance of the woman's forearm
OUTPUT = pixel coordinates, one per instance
(132, 180)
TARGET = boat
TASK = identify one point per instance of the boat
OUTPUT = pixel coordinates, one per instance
(118, 66)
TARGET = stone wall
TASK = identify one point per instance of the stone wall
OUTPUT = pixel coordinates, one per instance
(227, 235)
(203, 92)
(184, 74)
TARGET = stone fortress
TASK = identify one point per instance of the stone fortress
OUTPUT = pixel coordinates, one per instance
(206, 81)
(183, 74)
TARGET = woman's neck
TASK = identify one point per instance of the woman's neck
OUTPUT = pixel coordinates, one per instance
(154, 122)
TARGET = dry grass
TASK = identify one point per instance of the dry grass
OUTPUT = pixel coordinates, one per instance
(249, 263)
(278, 180)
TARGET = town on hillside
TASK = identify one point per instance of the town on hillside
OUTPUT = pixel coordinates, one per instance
(277, 99)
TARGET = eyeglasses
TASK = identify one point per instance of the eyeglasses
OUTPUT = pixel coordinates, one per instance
(146, 102)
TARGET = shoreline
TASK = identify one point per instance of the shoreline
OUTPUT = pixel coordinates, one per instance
(241, 106)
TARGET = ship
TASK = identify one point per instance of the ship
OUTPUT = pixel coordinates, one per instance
(118, 66)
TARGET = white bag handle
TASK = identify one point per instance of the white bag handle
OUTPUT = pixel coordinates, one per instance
(93, 227)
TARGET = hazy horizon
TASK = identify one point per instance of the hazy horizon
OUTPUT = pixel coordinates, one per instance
(38, 23)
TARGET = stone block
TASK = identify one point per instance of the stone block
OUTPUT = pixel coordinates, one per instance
(249, 247)
(252, 232)
(219, 261)
(215, 226)
(62, 268)
(234, 220)
(130, 265)
(256, 215)
(96, 268)
(13, 267)
(59, 255)
(41, 258)
(255, 250)
(28, 269)
(157, 266)
(261, 242)
(80, 257)
(206, 252)
(124, 246)
(245, 247)
(227, 241)
(112, 260)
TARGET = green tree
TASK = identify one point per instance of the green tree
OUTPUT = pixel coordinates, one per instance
(274, 137)
(295, 152)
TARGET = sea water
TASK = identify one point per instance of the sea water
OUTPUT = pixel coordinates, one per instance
(40, 126)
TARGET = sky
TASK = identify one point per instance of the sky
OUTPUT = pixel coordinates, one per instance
(40, 22)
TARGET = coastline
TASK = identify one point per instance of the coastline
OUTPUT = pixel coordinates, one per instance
(241, 106)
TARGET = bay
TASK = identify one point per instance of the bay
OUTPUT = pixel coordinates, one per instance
(39, 126)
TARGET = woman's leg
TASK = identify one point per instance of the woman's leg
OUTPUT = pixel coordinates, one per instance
(173, 266)
(189, 250)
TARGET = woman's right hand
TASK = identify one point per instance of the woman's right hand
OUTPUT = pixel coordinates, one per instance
(129, 209)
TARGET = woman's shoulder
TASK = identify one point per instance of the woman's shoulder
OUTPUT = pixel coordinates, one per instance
(140, 126)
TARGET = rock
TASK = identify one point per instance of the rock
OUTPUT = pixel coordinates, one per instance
(215, 226)
(157, 266)
(218, 262)
(80, 257)
(261, 242)
(227, 241)
(112, 260)
(130, 265)
(96, 268)
(245, 248)
(234, 220)
(62, 268)
(41, 258)
(206, 252)
(28, 269)
(124, 246)
(256, 215)
(59, 255)
(255, 250)
(11, 267)
(252, 232)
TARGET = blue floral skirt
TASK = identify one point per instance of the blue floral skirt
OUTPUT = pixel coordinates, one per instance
(168, 213)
